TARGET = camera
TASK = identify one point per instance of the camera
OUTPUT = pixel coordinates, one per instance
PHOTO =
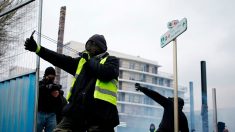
(53, 87)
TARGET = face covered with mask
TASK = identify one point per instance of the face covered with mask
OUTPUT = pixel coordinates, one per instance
(96, 45)
(93, 49)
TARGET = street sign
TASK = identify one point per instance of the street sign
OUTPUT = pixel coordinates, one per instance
(172, 24)
(174, 32)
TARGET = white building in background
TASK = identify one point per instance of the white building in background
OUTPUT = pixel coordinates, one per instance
(136, 111)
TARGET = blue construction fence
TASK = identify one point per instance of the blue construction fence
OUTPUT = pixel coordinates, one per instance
(17, 103)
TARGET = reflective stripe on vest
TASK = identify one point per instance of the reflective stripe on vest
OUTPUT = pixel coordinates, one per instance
(82, 61)
(106, 91)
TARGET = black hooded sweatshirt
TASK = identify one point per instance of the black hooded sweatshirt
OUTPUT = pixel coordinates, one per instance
(167, 123)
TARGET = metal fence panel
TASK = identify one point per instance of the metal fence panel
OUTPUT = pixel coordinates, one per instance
(17, 103)
(14, 59)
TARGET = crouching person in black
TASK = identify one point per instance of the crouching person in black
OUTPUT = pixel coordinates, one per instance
(50, 102)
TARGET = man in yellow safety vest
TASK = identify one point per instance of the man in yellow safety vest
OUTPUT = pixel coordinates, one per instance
(93, 94)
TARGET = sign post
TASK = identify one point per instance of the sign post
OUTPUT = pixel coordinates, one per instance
(175, 85)
(175, 29)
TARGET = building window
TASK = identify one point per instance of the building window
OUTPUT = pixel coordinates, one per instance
(120, 73)
(121, 96)
(148, 101)
(168, 83)
(145, 67)
(132, 76)
(143, 77)
(155, 70)
(136, 99)
(120, 85)
(132, 65)
(161, 81)
(127, 98)
(120, 63)
(154, 80)
(131, 98)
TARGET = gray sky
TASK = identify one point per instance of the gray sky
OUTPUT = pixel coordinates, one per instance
(135, 27)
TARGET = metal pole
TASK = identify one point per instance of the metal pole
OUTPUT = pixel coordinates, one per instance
(204, 111)
(38, 63)
(60, 40)
(175, 83)
(214, 109)
(192, 107)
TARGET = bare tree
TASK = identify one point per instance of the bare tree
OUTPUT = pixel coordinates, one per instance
(5, 21)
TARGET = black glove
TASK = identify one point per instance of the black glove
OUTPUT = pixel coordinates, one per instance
(30, 44)
(138, 87)
(84, 56)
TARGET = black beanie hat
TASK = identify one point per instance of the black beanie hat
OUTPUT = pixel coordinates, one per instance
(49, 71)
(99, 40)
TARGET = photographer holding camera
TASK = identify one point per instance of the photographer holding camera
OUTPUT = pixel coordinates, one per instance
(50, 102)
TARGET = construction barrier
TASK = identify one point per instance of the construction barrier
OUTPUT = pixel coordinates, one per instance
(17, 103)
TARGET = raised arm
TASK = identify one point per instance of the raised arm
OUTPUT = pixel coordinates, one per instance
(163, 101)
(64, 62)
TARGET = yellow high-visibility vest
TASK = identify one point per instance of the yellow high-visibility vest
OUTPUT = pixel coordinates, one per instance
(106, 91)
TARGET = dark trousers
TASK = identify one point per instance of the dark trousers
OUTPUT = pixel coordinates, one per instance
(70, 124)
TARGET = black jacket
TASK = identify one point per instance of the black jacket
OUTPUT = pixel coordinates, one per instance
(82, 103)
(46, 102)
(167, 123)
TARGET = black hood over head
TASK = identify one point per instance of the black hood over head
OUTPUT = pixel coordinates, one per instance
(99, 40)
(49, 71)
(180, 101)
